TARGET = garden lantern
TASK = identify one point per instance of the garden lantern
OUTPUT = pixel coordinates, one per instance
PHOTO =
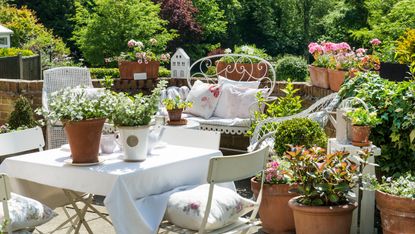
(180, 64)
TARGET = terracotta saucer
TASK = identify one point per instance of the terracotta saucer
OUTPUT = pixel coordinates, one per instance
(177, 123)
(361, 144)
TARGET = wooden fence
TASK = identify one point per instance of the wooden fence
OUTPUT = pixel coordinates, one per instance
(21, 67)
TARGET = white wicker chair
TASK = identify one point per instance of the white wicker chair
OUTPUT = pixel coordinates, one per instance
(200, 71)
(319, 111)
(56, 79)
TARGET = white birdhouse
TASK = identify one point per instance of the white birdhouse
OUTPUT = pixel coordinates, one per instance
(5, 34)
(180, 64)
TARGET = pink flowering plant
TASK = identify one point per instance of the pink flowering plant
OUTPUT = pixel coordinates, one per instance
(276, 172)
(142, 52)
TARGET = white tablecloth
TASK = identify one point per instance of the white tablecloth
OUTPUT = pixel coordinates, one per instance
(136, 193)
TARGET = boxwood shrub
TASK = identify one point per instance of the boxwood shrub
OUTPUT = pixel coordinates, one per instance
(291, 67)
(7, 52)
(100, 73)
(299, 131)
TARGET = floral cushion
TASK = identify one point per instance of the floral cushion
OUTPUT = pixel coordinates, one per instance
(237, 102)
(187, 208)
(26, 212)
(248, 84)
(204, 98)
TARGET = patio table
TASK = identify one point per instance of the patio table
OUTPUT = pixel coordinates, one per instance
(136, 193)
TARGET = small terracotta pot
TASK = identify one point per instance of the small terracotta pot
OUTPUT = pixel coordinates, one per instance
(319, 76)
(84, 139)
(397, 213)
(336, 79)
(322, 219)
(360, 135)
(274, 212)
(175, 114)
(242, 71)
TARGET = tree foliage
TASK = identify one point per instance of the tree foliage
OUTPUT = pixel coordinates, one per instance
(103, 30)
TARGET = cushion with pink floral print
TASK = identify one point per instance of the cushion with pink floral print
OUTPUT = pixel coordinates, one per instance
(204, 97)
(187, 208)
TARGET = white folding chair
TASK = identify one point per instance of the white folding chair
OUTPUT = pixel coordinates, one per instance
(54, 80)
(227, 169)
(191, 137)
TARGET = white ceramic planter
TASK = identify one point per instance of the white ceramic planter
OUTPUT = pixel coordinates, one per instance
(134, 141)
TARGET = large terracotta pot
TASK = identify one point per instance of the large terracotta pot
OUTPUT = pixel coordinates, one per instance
(84, 139)
(360, 135)
(275, 215)
(242, 71)
(322, 219)
(336, 79)
(397, 213)
(127, 69)
(319, 76)
(175, 114)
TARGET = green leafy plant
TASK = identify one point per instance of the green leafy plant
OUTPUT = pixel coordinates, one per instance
(362, 117)
(107, 82)
(290, 104)
(245, 49)
(298, 131)
(99, 73)
(75, 104)
(136, 110)
(322, 179)
(291, 67)
(6, 52)
(22, 115)
(403, 186)
(176, 103)
(394, 103)
(164, 72)
(405, 50)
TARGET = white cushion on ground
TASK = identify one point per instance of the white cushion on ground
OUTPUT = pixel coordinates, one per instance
(204, 98)
(26, 212)
(248, 84)
(186, 208)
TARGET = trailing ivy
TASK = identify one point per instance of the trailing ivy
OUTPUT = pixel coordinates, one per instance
(395, 105)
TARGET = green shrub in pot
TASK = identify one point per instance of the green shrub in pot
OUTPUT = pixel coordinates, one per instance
(291, 67)
(299, 131)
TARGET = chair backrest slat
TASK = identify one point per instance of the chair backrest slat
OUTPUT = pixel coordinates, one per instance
(20, 141)
(230, 168)
(191, 137)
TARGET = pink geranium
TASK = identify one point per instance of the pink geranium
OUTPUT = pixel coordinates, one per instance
(375, 41)
(343, 46)
(329, 47)
(360, 52)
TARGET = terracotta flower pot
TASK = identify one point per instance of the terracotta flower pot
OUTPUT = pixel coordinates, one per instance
(127, 69)
(322, 219)
(84, 139)
(242, 71)
(360, 135)
(175, 114)
(336, 79)
(397, 213)
(274, 212)
(319, 76)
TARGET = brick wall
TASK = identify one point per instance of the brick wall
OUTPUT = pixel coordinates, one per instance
(32, 90)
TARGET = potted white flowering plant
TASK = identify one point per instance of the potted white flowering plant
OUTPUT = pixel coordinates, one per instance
(132, 116)
(142, 58)
(83, 112)
(243, 63)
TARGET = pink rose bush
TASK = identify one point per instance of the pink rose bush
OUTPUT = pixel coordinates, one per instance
(143, 52)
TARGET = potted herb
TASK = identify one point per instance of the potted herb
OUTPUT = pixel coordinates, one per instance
(132, 116)
(323, 182)
(318, 69)
(274, 212)
(83, 112)
(362, 120)
(142, 58)
(243, 68)
(175, 107)
(395, 198)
